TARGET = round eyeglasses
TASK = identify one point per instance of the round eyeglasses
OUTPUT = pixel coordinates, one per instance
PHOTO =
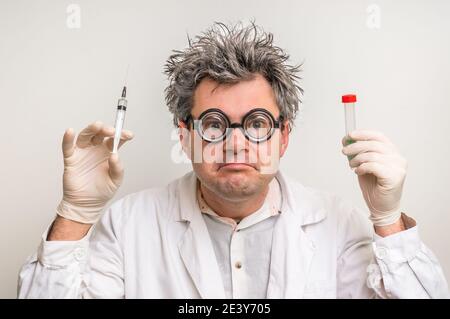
(213, 125)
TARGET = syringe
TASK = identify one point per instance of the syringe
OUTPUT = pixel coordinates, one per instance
(120, 118)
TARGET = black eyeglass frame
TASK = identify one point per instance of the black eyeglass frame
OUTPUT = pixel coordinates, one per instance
(196, 124)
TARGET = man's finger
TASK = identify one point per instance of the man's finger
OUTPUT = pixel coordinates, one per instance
(368, 135)
(366, 146)
(367, 157)
(347, 140)
(86, 135)
(68, 142)
(376, 169)
(125, 136)
(106, 131)
(115, 169)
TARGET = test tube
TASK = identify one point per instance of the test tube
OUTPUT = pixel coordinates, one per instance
(349, 101)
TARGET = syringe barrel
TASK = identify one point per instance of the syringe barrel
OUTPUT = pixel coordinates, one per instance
(120, 118)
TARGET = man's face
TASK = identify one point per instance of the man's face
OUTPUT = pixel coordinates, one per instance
(235, 168)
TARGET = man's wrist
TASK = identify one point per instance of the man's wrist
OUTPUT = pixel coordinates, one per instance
(403, 223)
(391, 229)
(83, 215)
(64, 229)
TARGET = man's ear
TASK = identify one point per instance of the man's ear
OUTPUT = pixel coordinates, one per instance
(183, 133)
(284, 137)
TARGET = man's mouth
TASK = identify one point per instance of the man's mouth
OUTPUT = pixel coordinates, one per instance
(235, 166)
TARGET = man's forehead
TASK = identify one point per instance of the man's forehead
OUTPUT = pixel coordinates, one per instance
(235, 98)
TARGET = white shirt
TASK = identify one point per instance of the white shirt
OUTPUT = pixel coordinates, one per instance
(243, 249)
(155, 244)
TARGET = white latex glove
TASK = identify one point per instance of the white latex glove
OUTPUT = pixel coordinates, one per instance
(381, 173)
(92, 174)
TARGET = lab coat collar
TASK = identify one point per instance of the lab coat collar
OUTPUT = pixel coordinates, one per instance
(305, 205)
(302, 202)
(292, 250)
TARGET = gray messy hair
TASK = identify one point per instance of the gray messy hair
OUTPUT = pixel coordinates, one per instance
(227, 55)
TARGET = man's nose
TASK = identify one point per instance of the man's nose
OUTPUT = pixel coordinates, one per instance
(235, 140)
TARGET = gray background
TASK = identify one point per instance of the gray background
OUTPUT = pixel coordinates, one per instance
(53, 77)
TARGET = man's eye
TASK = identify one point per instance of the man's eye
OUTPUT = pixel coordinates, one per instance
(213, 126)
(216, 125)
(258, 124)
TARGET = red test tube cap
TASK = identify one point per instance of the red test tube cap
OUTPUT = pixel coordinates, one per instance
(349, 98)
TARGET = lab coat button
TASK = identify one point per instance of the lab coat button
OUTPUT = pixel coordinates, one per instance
(238, 265)
(381, 252)
(79, 254)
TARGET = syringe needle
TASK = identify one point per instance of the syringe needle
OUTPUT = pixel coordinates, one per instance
(124, 92)
(125, 80)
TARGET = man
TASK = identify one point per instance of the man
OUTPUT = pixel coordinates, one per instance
(235, 227)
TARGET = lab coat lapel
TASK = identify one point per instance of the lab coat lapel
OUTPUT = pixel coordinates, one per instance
(291, 258)
(195, 246)
(292, 250)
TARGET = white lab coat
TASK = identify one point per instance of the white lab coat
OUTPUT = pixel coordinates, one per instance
(155, 244)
